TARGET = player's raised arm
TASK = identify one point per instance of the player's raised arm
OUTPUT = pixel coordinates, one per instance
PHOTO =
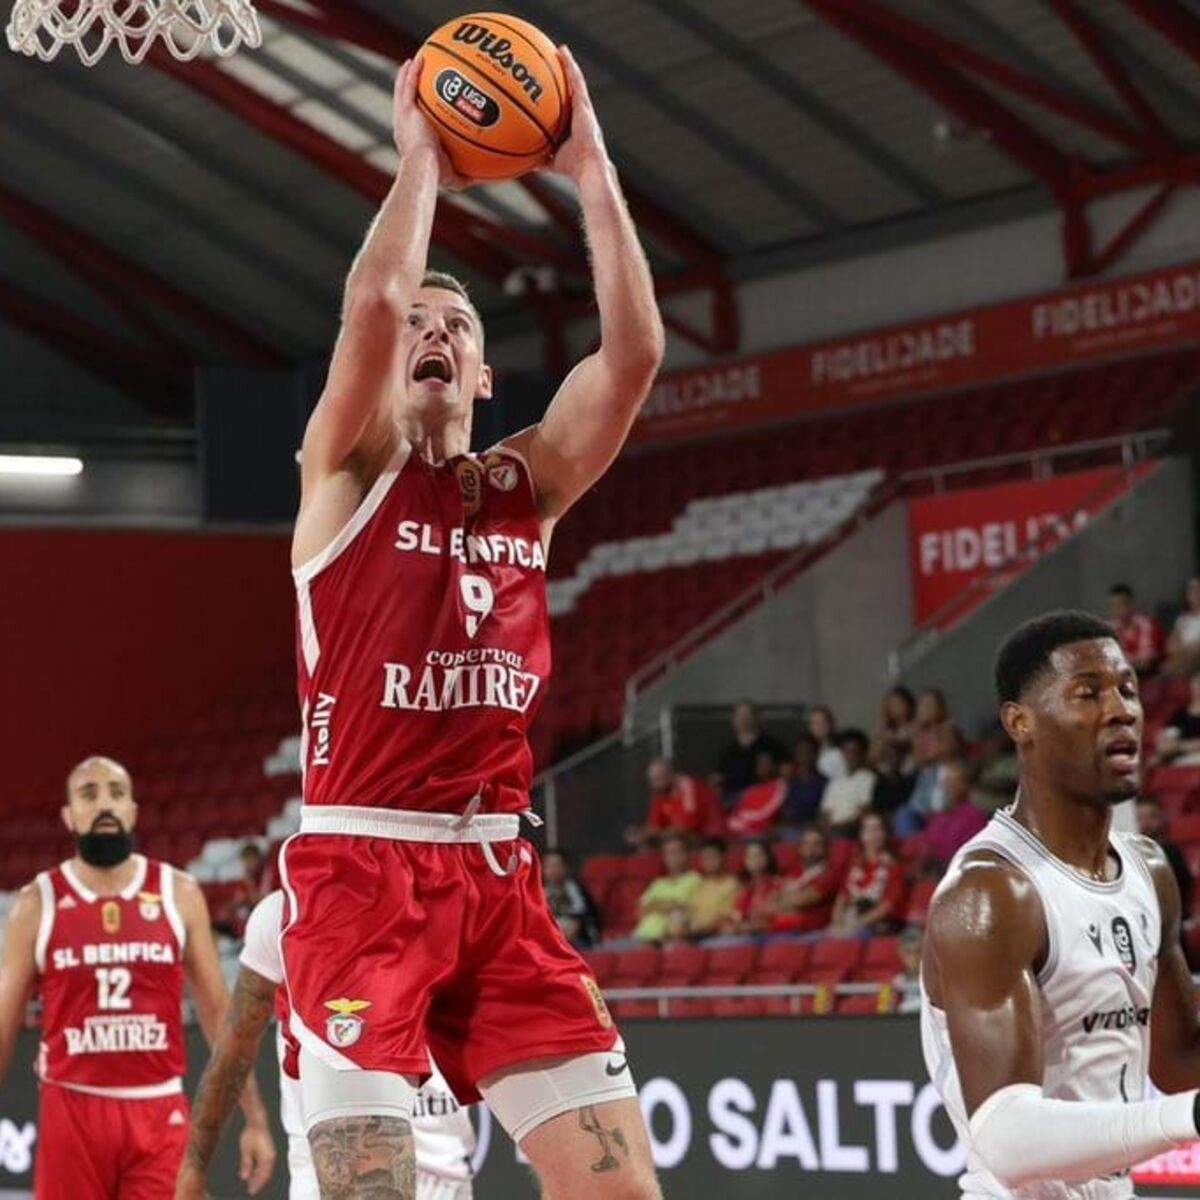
(18, 971)
(207, 984)
(590, 417)
(1174, 1028)
(984, 943)
(352, 424)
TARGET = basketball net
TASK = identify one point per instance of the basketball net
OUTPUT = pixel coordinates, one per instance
(41, 28)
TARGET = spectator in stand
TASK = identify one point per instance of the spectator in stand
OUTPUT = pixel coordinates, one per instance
(822, 724)
(754, 908)
(711, 906)
(897, 724)
(232, 915)
(936, 740)
(737, 765)
(806, 784)
(760, 806)
(804, 902)
(1141, 636)
(872, 896)
(958, 822)
(893, 787)
(569, 901)
(907, 984)
(935, 736)
(847, 798)
(1179, 739)
(1183, 646)
(664, 903)
(1150, 824)
(679, 804)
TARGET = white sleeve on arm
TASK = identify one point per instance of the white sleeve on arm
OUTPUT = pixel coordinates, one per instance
(1022, 1137)
(260, 950)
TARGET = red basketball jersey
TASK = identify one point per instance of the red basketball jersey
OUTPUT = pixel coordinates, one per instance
(111, 983)
(424, 642)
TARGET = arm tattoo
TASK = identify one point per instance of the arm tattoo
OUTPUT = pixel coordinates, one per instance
(589, 1122)
(230, 1066)
(364, 1158)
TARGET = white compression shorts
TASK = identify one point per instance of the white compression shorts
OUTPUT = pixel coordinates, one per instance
(528, 1095)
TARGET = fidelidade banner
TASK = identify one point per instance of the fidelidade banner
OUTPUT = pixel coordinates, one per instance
(986, 536)
(1077, 326)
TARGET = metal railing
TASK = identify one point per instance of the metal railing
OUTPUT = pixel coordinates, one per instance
(1133, 447)
(822, 995)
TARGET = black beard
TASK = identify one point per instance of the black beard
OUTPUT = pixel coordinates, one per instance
(104, 849)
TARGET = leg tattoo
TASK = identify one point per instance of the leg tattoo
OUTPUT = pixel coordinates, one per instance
(589, 1122)
(364, 1158)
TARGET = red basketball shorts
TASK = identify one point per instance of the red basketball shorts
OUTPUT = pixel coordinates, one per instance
(397, 948)
(100, 1148)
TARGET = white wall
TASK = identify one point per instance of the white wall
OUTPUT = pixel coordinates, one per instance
(979, 266)
(824, 637)
(110, 492)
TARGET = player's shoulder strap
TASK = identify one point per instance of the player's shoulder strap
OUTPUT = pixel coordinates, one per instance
(48, 898)
(164, 874)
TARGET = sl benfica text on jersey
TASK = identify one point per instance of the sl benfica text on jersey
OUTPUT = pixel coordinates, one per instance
(424, 642)
(111, 984)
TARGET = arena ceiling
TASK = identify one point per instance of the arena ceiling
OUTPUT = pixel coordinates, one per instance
(159, 217)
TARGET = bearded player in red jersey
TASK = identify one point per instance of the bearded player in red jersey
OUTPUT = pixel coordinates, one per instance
(106, 940)
(415, 918)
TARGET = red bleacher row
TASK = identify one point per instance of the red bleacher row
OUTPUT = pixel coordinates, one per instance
(644, 491)
(201, 781)
(617, 881)
(822, 964)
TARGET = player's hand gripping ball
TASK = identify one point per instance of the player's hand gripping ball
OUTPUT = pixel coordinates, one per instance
(494, 88)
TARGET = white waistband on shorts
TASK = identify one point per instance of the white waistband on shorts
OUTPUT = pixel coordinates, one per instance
(168, 1087)
(406, 826)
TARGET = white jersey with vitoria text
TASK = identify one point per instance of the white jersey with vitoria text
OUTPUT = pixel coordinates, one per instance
(1096, 990)
(443, 1137)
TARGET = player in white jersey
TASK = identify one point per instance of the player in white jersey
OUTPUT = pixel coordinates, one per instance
(443, 1137)
(1053, 980)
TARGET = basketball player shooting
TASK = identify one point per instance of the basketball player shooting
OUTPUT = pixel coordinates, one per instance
(415, 915)
(106, 939)
(1054, 984)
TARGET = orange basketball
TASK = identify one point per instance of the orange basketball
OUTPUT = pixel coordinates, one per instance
(496, 93)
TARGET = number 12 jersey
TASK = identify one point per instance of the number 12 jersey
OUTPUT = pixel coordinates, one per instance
(111, 984)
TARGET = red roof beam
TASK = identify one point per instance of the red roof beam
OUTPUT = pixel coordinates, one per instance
(940, 47)
(911, 55)
(1134, 228)
(1183, 168)
(128, 367)
(1158, 137)
(70, 244)
(1177, 24)
(454, 228)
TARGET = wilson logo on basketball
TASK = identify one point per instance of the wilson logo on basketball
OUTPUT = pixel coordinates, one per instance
(499, 50)
(466, 99)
